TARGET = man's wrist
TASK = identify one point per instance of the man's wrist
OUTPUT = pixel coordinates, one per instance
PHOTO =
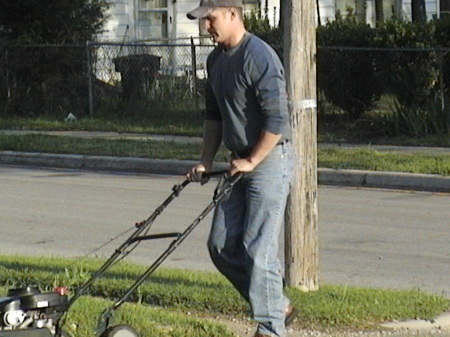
(252, 160)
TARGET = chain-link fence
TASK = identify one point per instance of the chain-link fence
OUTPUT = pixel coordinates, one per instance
(411, 86)
(168, 76)
(40, 79)
(103, 78)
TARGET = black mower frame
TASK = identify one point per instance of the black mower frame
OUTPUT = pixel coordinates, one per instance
(224, 187)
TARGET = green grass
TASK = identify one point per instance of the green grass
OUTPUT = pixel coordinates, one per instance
(365, 131)
(122, 148)
(146, 320)
(176, 123)
(340, 158)
(159, 306)
(372, 160)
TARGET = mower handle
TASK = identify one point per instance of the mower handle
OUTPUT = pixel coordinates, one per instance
(213, 173)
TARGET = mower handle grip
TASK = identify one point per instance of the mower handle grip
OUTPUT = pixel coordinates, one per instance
(213, 173)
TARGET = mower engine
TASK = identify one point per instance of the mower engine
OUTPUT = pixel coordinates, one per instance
(29, 309)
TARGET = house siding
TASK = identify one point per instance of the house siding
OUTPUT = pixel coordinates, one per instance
(431, 9)
(122, 26)
(186, 27)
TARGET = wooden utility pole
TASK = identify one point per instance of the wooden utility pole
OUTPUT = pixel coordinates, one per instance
(301, 219)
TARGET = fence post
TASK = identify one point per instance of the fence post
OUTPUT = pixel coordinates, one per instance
(8, 87)
(89, 74)
(194, 74)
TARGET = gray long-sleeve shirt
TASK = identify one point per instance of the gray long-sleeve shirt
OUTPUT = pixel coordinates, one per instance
(246, 90)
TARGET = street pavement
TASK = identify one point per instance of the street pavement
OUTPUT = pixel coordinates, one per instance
(368, 237)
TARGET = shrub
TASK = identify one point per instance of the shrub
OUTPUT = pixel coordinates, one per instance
(258, 24)
(442, 36)
(411, 71)
(36, 76)
(410, 74)
(416, 121)
(44, 80)
(345, 74)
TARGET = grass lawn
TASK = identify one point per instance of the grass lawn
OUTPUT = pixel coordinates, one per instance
(178, 123)
(337, 158)
(178, 302)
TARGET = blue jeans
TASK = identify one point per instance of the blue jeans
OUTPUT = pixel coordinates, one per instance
(244, 238)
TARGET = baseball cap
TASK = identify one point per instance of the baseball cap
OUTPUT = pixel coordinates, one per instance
(207, 5)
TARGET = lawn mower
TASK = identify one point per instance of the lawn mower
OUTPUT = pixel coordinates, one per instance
(28, 312)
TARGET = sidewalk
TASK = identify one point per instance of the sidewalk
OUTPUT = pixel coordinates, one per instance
(358, 178)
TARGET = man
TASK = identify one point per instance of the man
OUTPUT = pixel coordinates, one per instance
(246, 108)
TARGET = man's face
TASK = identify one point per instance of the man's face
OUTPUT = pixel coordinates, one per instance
(217, 23)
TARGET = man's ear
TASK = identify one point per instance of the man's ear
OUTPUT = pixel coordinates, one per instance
(233, 13)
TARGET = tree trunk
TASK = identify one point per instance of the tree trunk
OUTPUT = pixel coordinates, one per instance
(360, 10)
(282, 16)
(379, 13)
(301, 216)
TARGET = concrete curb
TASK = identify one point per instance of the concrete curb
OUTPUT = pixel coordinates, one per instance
(96, 163)
(389, 180)
(439, 323)
(358, 178)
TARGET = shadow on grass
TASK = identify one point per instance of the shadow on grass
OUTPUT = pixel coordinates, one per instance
(7, 278)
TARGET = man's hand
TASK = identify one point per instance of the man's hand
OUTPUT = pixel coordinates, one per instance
(241, 165)
(195, 174)
(263, 147)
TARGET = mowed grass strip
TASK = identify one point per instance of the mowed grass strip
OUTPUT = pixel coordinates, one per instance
(357, 158)
(173, 299)
(373, 160)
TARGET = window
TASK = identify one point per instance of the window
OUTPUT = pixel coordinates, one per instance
(152, 19)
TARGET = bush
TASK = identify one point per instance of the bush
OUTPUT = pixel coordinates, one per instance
(411, 75)
(51, 22)
(37, 72)
(259, 25)
(44, 80)
(347, 76)
(442, 35)
(397, 58)
(415, 121)
(412, 72)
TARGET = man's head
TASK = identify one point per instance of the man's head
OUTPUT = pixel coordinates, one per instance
(207, 6)
(223, 19)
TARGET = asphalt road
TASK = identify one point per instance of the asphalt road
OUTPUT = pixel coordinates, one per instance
(368, 237)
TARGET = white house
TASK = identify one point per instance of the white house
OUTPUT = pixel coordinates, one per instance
(157, 20)
(144, 20)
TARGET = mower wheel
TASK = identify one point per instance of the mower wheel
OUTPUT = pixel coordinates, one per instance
(119, 331)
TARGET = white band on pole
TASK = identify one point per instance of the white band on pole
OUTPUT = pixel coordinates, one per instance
(304, 104)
